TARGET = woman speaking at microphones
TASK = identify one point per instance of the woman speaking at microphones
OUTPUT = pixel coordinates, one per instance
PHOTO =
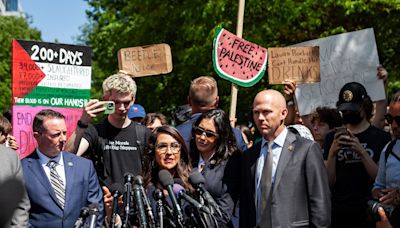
(165, 158)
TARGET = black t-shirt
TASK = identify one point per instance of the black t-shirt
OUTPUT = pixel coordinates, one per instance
(117, 150)
(353, 185)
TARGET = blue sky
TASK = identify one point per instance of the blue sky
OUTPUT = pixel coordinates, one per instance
(57, 19)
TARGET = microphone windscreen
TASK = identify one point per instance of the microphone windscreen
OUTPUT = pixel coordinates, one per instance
(178, 181)
(117, 188)
(165, 178)
(158, 194)
(196, 178)
(128, 177)
(139, 180)
(94, 209)
(177, 188)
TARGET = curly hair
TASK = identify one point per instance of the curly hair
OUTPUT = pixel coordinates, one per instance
(330, 116)
(226, 144)
(150, 167)
(121, 83)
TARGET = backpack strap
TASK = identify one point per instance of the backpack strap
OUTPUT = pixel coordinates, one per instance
(389, 151)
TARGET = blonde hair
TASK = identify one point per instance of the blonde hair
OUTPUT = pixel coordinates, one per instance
(121, 83)
(203, 90)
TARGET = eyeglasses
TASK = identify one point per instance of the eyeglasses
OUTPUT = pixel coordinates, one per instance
(162, 148)
(389, 118)
(200, 131)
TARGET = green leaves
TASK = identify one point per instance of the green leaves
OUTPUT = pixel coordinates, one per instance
(189, 26)
(11, 28)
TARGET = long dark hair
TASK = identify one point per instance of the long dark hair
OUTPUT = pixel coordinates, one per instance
(226, 143)
(150, 166)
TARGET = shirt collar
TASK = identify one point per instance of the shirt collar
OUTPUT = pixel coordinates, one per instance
(44, 159)
(279, 140)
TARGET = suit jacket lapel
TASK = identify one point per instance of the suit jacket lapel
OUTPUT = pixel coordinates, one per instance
(255, 153)
(69, 177)
(37, 170)
(286, 154)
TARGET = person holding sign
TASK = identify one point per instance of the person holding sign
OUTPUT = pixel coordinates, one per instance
(351, 155)
(116, 145)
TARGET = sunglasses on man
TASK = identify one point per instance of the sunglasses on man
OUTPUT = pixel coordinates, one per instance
(389, 118)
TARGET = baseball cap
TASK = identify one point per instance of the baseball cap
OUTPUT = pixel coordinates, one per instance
(351, 97)
(136, 111)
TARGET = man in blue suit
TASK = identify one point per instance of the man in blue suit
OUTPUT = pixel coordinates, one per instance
(58, 183)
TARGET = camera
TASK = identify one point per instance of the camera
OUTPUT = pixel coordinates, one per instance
(373, 206)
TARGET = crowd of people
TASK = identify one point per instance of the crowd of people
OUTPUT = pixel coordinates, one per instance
(334, 168)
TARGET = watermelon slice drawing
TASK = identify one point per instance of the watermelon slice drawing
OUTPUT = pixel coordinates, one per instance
(238, 60)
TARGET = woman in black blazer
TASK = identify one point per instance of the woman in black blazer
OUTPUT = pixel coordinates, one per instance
(215, 153)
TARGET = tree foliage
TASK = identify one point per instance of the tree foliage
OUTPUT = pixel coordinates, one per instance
(12, 28)
(189, 26)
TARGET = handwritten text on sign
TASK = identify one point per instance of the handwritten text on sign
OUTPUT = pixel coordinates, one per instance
(146, 60)
(299, 64)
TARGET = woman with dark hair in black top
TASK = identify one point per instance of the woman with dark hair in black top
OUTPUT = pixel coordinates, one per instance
(215, 153)
(165, 150)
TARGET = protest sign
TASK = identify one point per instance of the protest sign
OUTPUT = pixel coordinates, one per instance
(238, 60)
(300, 64)
(145, 60)
(344, 58)
(47, 76)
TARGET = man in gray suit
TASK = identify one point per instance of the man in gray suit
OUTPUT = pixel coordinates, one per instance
(11, 170)
(284, 180)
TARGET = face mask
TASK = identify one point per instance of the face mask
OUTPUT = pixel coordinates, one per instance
(352, 118)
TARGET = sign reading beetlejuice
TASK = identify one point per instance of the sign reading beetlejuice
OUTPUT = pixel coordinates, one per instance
(47, 76)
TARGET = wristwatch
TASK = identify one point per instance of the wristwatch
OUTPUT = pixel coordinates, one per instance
(82, 124)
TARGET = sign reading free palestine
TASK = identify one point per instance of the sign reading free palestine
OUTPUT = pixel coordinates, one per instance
(47, 76)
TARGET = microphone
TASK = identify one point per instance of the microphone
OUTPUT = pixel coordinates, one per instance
(196, 179)
(181, 193)
(159, 197)
(139, 205)
(146, 202)
(116, 189)
(93, 214)
(128, 178)
(82, 216)
(167, 182)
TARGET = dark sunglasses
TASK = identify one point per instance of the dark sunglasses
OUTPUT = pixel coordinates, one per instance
(200, 131)
(389, 118)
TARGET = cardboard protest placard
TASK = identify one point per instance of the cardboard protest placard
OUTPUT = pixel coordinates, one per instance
(300, 64)
(238, 60)
(47, 76)
(344, 58)
(145, 60)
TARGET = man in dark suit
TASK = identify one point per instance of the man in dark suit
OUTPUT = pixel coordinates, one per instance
(58, 183)
(284, 180)
(203, 97)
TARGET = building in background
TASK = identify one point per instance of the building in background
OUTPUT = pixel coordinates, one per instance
(11, 8)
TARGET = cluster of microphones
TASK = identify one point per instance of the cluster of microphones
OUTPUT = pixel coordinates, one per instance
(183, 210)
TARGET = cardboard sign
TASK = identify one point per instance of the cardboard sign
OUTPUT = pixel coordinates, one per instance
(347, 57)
(238, 60)
(145, 60)
(300, 64)
(47, 76)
